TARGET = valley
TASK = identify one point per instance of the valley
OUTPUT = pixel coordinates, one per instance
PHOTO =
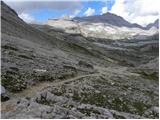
(53, 72)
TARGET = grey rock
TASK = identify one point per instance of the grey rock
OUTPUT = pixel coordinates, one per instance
(3, 90)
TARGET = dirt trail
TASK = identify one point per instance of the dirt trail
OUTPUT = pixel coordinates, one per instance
(32, 90)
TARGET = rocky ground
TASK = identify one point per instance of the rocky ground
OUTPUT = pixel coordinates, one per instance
(47, 73)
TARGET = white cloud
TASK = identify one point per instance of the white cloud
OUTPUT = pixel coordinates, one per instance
(104, 10)
(142, 12)
(89, 12)
(76, 12)
(27, 18)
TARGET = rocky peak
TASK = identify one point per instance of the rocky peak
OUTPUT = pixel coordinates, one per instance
(108, 18)
(66, 17)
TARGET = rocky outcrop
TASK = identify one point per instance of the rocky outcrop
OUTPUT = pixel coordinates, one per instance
(4, 96)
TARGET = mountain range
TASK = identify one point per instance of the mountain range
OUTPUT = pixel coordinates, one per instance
(114, 20)
(108, 26)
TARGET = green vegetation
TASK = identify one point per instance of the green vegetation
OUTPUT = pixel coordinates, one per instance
(76, 96)
(44, 101)
(13, 81)
(140, 107)
(60, 91)
(88, 112)
(150, 76)
(149, 93)
(81, 49)
(125, 87)
(116, 103)
(68, 106)
(120, 105)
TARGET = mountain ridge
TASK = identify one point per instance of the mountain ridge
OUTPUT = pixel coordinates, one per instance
(108, 18)
(154, 24)
(107, 25)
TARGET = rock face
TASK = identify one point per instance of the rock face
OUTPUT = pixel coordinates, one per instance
(48, 73)
(68, 26)
(108, 26)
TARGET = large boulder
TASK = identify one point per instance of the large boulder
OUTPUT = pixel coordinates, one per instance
(4, 96)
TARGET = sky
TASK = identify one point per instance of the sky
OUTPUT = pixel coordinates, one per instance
(142, 12)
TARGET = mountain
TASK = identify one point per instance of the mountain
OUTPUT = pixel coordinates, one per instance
(47, 73)
(108, 26)
(155, 24)
(16, 27)
(109, 18)
(26, 49)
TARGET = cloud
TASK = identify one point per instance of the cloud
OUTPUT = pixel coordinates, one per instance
(27, 18)
(89, 12)
(104, 10)
(142, 12)
(26, 6)
(76, 12)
